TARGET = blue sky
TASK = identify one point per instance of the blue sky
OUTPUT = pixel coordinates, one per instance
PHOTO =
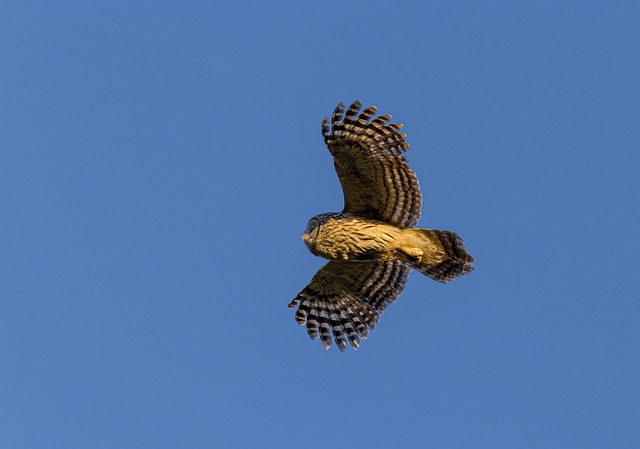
(160, 160)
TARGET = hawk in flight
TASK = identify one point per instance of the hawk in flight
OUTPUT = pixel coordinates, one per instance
(371, 245)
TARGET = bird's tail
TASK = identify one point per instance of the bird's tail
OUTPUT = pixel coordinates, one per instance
(441, 255)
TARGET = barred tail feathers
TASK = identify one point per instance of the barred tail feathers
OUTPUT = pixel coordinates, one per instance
(441, 255)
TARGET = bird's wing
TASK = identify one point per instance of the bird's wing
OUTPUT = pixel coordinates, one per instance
(376, 180)
(345, 299)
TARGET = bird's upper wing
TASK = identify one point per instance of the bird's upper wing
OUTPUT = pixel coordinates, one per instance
(376, 180)
(345, 299)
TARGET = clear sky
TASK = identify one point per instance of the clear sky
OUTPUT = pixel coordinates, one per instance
(158, 164)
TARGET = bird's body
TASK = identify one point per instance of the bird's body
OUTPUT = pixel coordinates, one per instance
(351, 238)
(341, 237)
(371, 245)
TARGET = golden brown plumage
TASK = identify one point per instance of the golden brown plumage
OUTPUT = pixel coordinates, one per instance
(371, 244)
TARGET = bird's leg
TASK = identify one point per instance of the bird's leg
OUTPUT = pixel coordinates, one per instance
(415, 254)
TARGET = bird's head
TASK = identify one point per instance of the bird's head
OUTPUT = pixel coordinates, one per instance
(313, 231)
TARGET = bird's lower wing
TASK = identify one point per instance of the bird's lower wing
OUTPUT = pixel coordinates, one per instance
(345, 299)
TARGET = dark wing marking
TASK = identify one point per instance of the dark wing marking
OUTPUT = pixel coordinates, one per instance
(376, 179)
(345, 299)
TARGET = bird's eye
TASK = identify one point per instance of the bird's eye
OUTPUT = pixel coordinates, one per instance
(312, 227)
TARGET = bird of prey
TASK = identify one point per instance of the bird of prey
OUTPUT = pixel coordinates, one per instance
(371, 245)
